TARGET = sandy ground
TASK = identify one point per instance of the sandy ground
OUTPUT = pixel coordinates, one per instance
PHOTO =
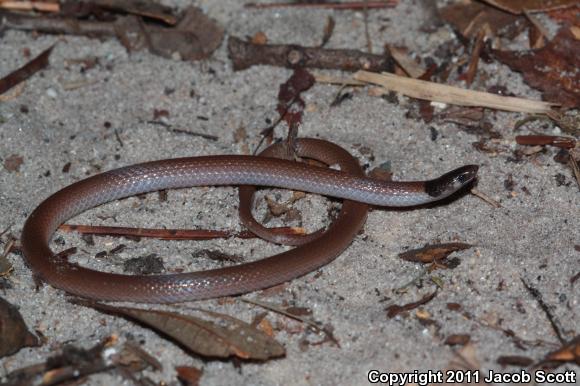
(531, 237)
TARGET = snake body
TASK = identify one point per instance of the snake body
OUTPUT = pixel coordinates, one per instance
(348, 183)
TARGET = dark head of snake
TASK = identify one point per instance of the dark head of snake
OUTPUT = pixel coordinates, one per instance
(451, 182)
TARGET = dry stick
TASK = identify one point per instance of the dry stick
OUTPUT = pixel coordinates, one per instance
(279, 310)
(472, 69)
(171, 234)
(323, 78)
(30, 6)
(329, 5)
(573, 161)
(538, 296)
(367, 35)
(26, 71)
(421, 89)
(485, 198)
(244, 55)
(537, 23)
(67, 26)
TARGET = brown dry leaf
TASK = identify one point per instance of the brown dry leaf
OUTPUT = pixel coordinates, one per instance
(296, 313)
(13, 162)
(328, 30)
(13, 332)
(564, 16)
(554, 140)
(568, 353)
(464, 116)
(149, 9)
(259, 38)
(267, 327)
(406, 62)
(433, 252)
(195, 37)
(221, 339)
(514, 360)
(458, 339)
(468, 18)
(552, 69)
(290, 102)
(520, 6)
(465, 360)
(276, 209)
(188, 375)
(395, 309)
(134, 357)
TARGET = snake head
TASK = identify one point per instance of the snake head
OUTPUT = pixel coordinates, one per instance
(451, 182)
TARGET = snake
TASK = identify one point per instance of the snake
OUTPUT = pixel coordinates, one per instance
(348, 183)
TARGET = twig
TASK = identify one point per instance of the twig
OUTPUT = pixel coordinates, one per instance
(366, 20)
(485, 198)
(26, 71)
(573, 160)
(244, 54)
(279, 310)
(421, 89)
(70, 26)
(474, 60)
(538, 296)
(322, 78)
(171, 234)
(195, 134)
(41, 6)
(328, 5)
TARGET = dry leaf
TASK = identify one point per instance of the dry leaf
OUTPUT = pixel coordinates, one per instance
(259, 38)
(221, 339)
(554, 140)
(568, 353)
(552, 69)
(149, 9)
(188, 375)
(468, 18)
(395, 310)
(458, 339)
(13, 162)
(195, 37)
(13, 332)
(290, 102)
(433, 252)
(520, 6)
(514, 360)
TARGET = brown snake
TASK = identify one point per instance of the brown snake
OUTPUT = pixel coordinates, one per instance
(349, 183)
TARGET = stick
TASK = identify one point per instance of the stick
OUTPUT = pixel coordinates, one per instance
(421, 89)
(244, 55)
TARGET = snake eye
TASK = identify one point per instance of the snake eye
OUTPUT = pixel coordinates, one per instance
(466, 174)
